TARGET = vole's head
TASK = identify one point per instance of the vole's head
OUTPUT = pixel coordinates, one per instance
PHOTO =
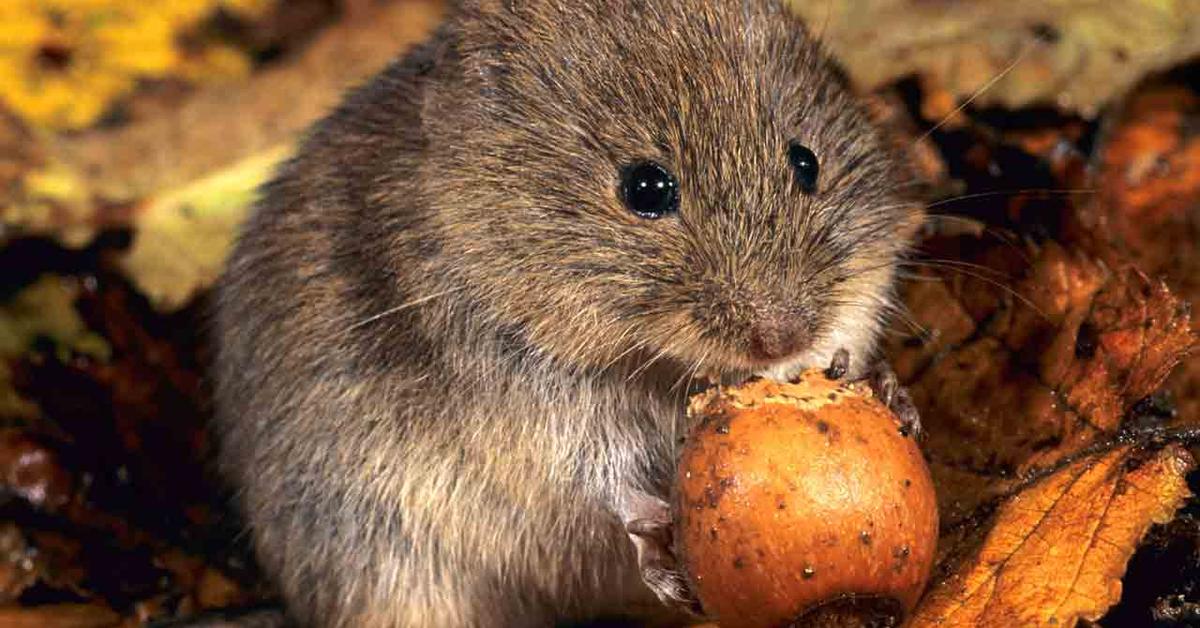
(671, 178)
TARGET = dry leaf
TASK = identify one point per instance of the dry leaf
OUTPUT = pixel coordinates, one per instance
(1073, 54)
(175, 177)
(1028, 354)
(59, 616)
(63, 62)
(1056, 552)
(1148, 203)
(31, 471)
(183, 237)
(43, 310)
(18, 568)
(106, 479)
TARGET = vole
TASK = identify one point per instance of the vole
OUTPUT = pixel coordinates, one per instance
(456, 336)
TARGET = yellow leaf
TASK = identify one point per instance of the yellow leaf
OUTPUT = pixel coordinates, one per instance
(44, 309)
(1057, 550)
(63, 62)
(183, 237)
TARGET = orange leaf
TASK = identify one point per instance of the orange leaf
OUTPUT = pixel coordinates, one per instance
(1015, 378)
(1148, 183)
(1056, 551)
(59, 616)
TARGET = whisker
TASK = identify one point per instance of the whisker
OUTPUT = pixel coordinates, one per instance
(916, 277)
(979, 92)
(966, 269)
(1031, 192)
(898, 311)
(980, 229)
(689, 375)
(825, 21)
(398, 309)
(648, 363)
(637, 346)
(953, 263)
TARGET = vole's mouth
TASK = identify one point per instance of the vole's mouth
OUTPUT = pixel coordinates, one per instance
(744, 366)
(857, 341)
(813, 355)
(734, 358)
(736, 368)
(788, 368)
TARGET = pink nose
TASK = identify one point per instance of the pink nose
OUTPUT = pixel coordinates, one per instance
(777, 337)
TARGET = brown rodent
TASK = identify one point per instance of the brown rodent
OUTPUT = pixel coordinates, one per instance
(456, 336)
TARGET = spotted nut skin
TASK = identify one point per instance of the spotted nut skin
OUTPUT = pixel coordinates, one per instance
(792, 496)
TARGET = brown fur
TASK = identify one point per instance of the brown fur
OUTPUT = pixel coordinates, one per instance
(447, 350)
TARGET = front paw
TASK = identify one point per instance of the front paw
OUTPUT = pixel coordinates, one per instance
(649, 525)
(886, 387)
(895, 396)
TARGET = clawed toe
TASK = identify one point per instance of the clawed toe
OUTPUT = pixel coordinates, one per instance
(887, 388)
(885, 385)
(839, 366)
(652, 535)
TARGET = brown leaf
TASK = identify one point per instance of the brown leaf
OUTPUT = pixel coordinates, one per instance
(59, 616)
(1149, 175)
(1028, 355)
(18, 567)
(1056, 552)
(107, 476)
(1147, 208)
(31, 471)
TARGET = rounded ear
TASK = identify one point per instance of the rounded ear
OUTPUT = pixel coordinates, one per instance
(492, 38)
(485, 31)
(470, 55)
(484, 9)
(484, 6)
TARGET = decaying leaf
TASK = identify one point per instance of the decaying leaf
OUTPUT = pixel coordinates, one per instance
(30, 471)
(105, 475)
(45, 310)
(175, 177)
(1055, 553)
(183, 237)
(1149, 175)
(1028, 354)
(60, 616)
(1073, 54)
(1147, 208)
(42, 311)
(17, 564)
(63, 62)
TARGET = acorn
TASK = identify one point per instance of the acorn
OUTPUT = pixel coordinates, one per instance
(803, 503)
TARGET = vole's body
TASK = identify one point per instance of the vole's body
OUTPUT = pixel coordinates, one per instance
(452, 364)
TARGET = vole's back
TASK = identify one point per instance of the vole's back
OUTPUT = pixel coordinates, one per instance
(296, 394)
(374, 431)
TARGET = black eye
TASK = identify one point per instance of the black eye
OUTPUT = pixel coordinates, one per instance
(804, 162)
(649, 190)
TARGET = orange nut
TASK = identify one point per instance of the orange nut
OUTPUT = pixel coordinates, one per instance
(802, 500)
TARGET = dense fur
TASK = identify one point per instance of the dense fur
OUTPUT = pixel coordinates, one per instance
(448, 351)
